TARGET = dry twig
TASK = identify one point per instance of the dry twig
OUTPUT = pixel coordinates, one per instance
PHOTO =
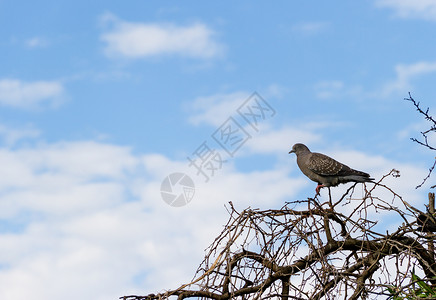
(314, 253)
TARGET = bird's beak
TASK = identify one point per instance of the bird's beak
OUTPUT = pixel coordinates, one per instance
(292, 151)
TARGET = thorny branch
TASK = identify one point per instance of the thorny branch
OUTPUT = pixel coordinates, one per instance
(312, 250)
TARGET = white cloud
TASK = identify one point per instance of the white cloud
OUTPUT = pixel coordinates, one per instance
(377, 166)
(138, 40)
(405, 73)
(413, 130)
(336, 89)
(422, 9)
(328, 89)
(36, 42)
(89, 215)
(275, 91)
(309, 28)
(214, 110)
(62, 177)
(13, 135)
(280, 141)
(28, 95)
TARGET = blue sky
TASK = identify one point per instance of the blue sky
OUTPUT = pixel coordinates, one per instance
(100, 101)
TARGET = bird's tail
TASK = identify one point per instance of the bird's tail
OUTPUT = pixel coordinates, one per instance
(359, 178)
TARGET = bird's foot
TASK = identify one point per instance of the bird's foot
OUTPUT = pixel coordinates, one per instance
(319, 186)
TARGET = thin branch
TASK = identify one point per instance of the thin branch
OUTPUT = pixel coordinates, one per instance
(424, 134)
(290, 253)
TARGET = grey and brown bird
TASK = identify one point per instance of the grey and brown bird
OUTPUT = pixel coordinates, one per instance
(325, 170)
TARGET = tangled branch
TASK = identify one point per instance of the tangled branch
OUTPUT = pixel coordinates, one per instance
(312, 250)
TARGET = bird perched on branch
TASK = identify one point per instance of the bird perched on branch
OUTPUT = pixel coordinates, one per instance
(325, 170)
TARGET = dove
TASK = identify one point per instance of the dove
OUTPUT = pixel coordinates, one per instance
(325, 170)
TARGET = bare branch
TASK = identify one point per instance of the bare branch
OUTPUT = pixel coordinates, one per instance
(315, 253)
(425, 134)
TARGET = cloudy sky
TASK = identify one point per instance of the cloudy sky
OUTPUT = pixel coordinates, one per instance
(101, 101)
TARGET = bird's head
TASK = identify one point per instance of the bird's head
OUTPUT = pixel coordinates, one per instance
(299, 148)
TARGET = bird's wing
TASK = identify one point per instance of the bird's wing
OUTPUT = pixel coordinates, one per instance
(326, 166)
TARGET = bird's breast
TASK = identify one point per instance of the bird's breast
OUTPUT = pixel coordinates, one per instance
(309, 173)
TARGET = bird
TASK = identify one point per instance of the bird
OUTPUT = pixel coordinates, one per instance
(325, 170)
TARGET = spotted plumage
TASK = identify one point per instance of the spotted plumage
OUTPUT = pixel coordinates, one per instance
(325, 170)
